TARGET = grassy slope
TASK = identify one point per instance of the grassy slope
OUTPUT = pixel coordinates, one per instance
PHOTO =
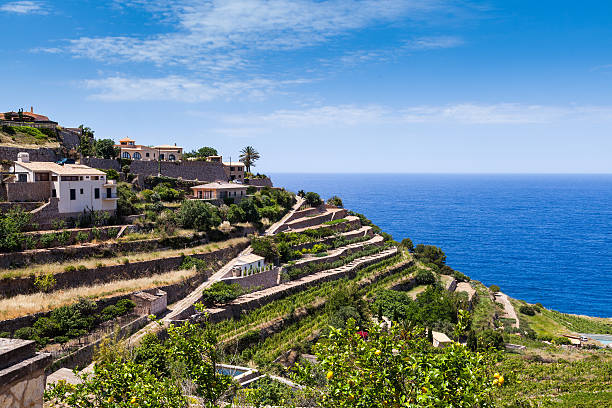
(22, 139)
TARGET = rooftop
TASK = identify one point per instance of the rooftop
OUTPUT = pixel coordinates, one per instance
(233, 163)
(65, 170)
(441, 337)
(167, 147)
(247, 259)
(221, 185)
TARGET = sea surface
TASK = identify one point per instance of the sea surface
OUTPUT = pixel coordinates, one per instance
(541, 238)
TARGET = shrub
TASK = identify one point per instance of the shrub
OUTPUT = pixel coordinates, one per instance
(407, 244)
(312, 199)
(47, 240)
(81, 268)
(460, 277)
(562, 340)
(220, 293)
(25, 333)
(82, 236)
(335, 201)
(198, 215)
(70, 268)
(527, 310)
(45, 283)
(189, 262)
(235, 214)
(46, 327)
(5, 335)
(490, 339)
(494, 288)
(111, 174)
(425, 277)
(61, 339)
(430, 253)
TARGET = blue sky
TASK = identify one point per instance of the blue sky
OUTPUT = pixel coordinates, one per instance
(326, 86)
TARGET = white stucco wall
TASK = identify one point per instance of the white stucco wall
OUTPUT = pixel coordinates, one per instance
(84, 200)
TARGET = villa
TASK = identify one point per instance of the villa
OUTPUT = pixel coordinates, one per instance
(219, 190)
(130, 150)
(234, 170)
(76, 187)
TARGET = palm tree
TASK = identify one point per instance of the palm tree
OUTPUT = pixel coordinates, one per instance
(249, 156)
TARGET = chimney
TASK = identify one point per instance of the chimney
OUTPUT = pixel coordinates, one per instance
(23, 157)
(31, 109)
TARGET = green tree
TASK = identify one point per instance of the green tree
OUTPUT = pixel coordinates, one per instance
(126, 199)
(106, 149)
(86, 142)
(313, 199)
(336, 201)
(407, 243)
(198, 215)
(202, 153)
(249, 156)
(398, 368)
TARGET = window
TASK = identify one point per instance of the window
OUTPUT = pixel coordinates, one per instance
(53, 178)
(70, 178)
(137, 156)
(171, 157)
(109, 192)
(200, 194)
(81, 191)
(42, 176)
(231, 169)
(22, 178)
(81, 178)
(87, 177)
(95, 177)
(72, 194)
(147, 154)
(125, 155)
(96, 193)
(53, 193)
(161, 156)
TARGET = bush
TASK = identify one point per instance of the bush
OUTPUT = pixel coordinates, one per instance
(189, 262)
(235, 214)
(490, 339)
(527, 310)
(460, 277)
(46, 327)
(425, 277)
(220, 293)
(111, 174)
(25, 333)
(407, 244)
(198, 215)
(335, 201)
(70, 268)
(45, 283)
(562, 340)
(430, 253)
(266, 247)
(127, 199)
(313, 199)
(12, 224)
(494, 288)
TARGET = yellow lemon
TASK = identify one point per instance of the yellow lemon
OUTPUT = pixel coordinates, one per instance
(330, 374)
(501, 380)
(423, 390)
(377, 352)
(496, 375)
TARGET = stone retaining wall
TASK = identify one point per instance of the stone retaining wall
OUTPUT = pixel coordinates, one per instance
(6, 207)
(92, 276)
(265, 279)
(329, 240)
(42, 154)
(260, 182)
(104, 249)
(189, 170)
(305, 213)
(316, 220)
(36, 191)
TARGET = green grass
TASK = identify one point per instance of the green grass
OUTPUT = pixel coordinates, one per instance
(334, 222)
(584, 382)
(484, 309)
(25, 135)
(416, 290)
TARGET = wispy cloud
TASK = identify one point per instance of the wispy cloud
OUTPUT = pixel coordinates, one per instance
(431, 43)
(223, 33)
(461, 114)
(24, 7)
(178, 88)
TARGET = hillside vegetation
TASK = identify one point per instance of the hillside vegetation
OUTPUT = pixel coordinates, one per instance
(25, 136)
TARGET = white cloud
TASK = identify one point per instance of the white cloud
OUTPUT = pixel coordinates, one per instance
(23, 7)
(221, 33)
(178, 88)
(430, 43)
(461, 114)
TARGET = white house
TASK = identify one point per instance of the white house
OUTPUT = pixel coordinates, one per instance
(77, 187)
(248, 264)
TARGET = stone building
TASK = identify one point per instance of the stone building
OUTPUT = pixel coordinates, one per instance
(22, 374)
(234, 170)
(219, 190)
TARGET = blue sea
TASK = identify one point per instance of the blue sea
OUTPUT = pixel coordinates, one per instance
(541, 238)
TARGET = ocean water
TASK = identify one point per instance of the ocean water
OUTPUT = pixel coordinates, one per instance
(541, 238)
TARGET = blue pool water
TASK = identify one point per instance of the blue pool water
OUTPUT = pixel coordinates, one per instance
(541, 238)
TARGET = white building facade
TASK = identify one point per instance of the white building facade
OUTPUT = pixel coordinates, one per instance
(77, 187)
(248, 265)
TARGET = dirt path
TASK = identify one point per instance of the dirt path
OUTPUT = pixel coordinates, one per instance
(510, 313)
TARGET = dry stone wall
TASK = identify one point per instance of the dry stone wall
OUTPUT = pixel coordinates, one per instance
(42, 154)
(37, 191)
(103, 274)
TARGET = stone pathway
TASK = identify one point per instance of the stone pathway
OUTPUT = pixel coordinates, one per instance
(510, 313)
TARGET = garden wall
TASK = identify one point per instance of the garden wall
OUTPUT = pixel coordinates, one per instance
(36, 191)
(92, 276)
(315, 220)
(259, 182)
(6, 207)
